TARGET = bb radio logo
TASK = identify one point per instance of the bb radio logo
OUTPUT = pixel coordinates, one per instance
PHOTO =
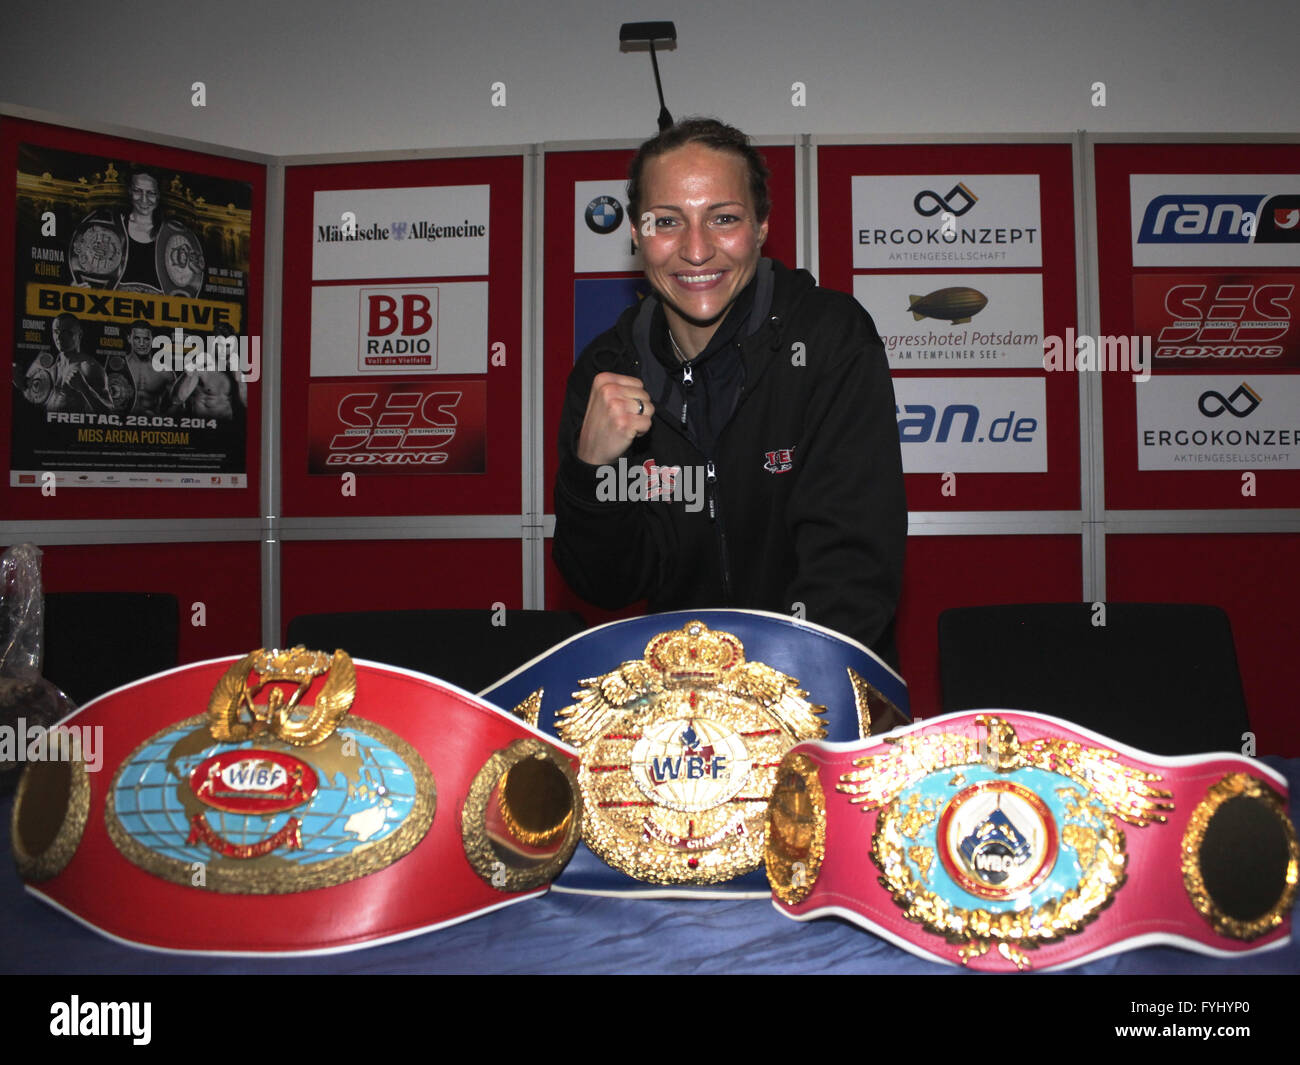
(398, 327)
(397, 427)
(1205, 320)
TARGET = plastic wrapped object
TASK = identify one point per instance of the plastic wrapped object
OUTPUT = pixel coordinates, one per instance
(28, 703)
(21, 613)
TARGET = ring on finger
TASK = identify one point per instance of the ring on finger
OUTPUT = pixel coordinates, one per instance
(640, 407)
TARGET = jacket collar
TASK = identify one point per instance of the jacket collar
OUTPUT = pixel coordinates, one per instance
(777, 290)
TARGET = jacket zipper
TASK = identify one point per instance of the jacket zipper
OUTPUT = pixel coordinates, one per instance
(715, 516)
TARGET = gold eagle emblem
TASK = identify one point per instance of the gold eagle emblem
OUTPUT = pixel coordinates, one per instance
(234, 715)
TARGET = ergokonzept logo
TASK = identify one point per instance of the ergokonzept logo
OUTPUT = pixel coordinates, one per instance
(1240, 403)
(902, 220)
(957, 201)
(1187, 421)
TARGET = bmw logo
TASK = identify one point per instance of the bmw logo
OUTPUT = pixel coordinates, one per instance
(604, 215)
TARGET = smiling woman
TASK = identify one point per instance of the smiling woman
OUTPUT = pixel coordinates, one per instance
(700, 237)
(777, 390)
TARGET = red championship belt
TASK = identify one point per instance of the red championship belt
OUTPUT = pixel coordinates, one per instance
(291, 802)
(1002, 839)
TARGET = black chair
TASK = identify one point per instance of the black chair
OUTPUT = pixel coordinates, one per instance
(460, 646)
(1160, 677)
(98, 641)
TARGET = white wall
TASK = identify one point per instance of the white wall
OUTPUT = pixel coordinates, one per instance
(306, 77)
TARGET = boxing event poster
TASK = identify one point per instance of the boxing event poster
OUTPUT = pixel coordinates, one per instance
(399, 365)
(131, 357)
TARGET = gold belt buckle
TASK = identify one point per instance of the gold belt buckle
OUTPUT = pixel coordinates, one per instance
(680, 751)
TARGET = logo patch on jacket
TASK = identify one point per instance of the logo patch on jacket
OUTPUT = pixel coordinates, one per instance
(780, 461)
(661, 481)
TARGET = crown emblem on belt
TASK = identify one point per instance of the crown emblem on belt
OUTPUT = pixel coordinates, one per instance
(234, 714)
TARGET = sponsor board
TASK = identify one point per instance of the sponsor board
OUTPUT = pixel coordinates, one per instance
(1215, 219)
(438, 231)
(940, 321)
(360, 330)
(602, 235)
(397, 427)
(972, 425)
(1219, 321)
(1188, 422)
(597, 303)
(920, 221)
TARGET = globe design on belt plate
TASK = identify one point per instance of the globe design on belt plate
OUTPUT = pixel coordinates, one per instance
(366, 791)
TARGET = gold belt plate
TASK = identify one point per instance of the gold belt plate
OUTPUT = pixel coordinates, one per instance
(680, 751)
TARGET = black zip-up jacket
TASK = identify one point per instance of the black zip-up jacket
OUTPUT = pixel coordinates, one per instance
(802, 488)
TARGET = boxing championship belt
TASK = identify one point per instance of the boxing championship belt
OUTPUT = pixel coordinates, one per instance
(179, 260)
(290, 802)
(121, 385)
(1001, 840)
(97, 251)
(681, 721)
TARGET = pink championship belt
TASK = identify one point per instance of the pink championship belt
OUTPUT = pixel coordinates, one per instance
(1001, 839)
(291, 802)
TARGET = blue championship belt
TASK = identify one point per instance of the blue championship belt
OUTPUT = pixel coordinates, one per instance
(681, 721)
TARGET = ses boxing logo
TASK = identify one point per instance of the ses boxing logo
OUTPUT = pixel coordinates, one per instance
(397, 427)
(1197, 321)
